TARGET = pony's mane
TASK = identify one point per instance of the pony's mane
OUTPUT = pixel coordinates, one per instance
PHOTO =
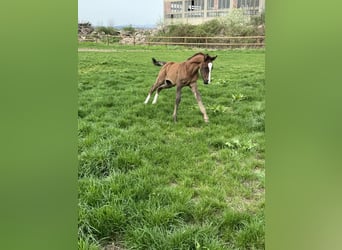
(199, 53)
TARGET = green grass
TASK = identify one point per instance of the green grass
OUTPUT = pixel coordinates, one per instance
(146, 182)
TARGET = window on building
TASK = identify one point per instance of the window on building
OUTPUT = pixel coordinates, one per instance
(248, 4)
(172, 16)
(211, 4)
(194, 5)
(250, 7)
(176, 6)
(223, 4)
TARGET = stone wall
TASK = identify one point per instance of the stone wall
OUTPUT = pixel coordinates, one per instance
(137, 38)
(87, 33)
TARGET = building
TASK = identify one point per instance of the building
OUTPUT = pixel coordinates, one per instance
(199, 11)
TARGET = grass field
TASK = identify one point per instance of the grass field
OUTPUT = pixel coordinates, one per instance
(146, 182)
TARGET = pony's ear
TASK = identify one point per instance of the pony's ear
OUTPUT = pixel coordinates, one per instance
(209, 58)
(213, 58)
(206, 57)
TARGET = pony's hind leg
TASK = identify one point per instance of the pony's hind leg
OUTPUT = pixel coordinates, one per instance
(147, 98)
(159, 82)
(155, 98)
(165, 85)
(152, 89)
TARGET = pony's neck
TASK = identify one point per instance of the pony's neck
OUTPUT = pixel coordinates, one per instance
(198, 59)
(194, 64)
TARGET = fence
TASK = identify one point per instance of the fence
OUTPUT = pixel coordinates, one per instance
(210, 42)
(206, 42)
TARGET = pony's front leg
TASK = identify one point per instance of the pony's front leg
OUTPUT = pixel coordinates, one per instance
(178, 99)
(197, 95)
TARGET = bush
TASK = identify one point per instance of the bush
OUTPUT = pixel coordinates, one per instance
(129, 29)
(258, 19)
(106, 30)
(181, 30)
(211, 28)
(236, 23)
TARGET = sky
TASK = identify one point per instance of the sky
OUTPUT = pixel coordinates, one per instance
(120, 12)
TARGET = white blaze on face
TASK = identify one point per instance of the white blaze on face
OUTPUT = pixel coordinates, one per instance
(210, 66)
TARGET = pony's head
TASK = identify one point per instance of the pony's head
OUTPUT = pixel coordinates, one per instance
(206, 68)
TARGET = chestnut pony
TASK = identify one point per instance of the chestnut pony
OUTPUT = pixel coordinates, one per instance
(180, 75)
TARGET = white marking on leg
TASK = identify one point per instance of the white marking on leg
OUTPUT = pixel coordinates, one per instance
(147, 98)
(155, 98)
(210, 66)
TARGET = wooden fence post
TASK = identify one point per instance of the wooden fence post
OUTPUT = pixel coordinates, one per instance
(204, 42)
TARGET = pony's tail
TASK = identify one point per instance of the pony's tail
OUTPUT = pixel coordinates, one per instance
(158, 63)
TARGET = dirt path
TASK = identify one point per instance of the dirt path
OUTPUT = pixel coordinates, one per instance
(113, 50)
(96, 50)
